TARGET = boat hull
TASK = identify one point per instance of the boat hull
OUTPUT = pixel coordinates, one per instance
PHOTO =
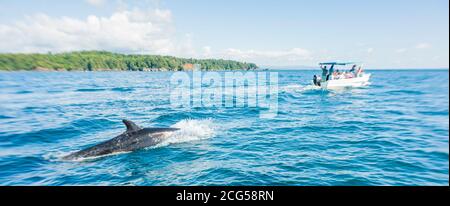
(343, 83)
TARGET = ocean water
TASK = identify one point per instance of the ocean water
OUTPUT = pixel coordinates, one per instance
(393, 132)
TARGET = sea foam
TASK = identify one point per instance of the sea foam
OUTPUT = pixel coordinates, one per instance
(191, 130)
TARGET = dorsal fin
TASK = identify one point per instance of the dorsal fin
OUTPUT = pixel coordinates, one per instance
(131, 126)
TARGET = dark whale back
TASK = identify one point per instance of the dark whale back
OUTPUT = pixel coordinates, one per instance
(157, 130)
(133, 139)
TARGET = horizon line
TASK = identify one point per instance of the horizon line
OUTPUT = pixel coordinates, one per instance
(400, 68)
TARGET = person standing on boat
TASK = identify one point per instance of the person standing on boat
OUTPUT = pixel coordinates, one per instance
(331, 76)
(324, 73)
(359, 72)
(353, 70)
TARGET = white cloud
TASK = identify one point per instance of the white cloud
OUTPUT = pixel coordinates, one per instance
(423, 46)
(370, 50)
(135, 31)
(96, 2)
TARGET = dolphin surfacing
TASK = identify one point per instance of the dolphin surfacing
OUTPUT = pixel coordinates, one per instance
(134, 138)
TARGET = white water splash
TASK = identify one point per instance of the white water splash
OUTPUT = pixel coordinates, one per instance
(191, 130)
(54, 156)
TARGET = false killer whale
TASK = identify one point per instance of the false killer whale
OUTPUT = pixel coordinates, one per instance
(133, 139)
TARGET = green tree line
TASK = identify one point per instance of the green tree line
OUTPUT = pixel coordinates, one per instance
(102, 60)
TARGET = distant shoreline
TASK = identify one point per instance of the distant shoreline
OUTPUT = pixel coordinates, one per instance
(108, 61)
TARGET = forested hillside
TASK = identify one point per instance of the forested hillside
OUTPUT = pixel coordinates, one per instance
(100, 60)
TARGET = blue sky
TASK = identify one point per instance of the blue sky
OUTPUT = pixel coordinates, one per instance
(383, 34)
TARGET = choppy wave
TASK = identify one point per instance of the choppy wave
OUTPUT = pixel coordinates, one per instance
(389, 133)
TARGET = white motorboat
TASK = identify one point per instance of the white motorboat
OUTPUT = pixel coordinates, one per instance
(333, 78)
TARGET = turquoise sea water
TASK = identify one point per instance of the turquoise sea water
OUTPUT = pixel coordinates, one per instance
(394, 132)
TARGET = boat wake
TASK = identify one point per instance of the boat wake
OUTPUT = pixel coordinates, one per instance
(298, 88)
